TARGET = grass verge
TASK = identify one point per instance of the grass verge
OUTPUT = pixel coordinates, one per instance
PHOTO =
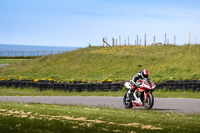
(119, 63)
(36, 92)
(11, 61)
(19, 117)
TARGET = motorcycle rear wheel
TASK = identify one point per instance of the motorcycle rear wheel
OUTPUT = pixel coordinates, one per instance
(150, 101)
(127, 103)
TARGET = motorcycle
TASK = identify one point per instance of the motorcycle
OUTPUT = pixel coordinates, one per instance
(142, 96)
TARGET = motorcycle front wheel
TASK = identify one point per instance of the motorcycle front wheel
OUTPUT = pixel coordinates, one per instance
(127, 103)
(150, 101)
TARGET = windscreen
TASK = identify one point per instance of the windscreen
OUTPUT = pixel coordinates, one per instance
(148, 80)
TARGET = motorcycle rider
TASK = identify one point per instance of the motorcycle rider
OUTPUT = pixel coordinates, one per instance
(132, 85)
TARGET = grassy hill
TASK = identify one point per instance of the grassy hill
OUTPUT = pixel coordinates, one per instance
(116, 63)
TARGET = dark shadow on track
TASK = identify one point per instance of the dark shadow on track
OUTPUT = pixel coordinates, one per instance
(165, 109)
(158, 109)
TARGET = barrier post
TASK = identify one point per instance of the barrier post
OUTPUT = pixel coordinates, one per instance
(128, 40)
(174, 40)
(189, 39)
(103, 42)
(120, 40)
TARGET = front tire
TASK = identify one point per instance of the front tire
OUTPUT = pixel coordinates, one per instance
(127, 103)
(150, 101)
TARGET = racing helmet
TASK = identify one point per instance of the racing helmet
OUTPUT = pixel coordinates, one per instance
(145, 73)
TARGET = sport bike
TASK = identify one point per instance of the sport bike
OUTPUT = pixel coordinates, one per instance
(142, 96)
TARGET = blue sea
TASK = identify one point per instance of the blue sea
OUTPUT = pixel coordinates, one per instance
(28, 50)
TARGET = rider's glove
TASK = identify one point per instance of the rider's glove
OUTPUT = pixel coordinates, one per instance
(137, 85)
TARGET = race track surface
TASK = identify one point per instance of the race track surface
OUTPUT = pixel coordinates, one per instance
(180, 105)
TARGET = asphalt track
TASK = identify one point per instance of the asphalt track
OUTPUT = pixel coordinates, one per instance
(181, 105)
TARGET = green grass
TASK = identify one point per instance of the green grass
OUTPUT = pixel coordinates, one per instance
(95, 64)
(12, 61)
(36, 92)
(37, 118)
(116, 63)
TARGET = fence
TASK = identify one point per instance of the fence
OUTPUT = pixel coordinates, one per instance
(104, 86)
(28, 53)
(138, 41)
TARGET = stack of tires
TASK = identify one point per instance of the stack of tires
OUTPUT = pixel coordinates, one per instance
(106, 86)
(160, 85)
(198, 85)
(115, 86)
(183, 85)
(171, 85)
(194, 85)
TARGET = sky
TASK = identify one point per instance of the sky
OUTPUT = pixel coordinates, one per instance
(78, 23)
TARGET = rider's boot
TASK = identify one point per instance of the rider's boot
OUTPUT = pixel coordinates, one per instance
(133, 91)
(128, 95)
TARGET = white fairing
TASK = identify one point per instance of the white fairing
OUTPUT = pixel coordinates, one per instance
(137, 100)
(145, 86)
(127, 85)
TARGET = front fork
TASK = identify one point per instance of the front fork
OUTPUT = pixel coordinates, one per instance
(146, 95)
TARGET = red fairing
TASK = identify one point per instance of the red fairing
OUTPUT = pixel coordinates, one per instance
(141, 89)
(133, 86)
(136, 104)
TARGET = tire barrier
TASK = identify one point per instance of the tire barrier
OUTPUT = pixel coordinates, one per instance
(104, 86)
(181, 85)
(75, 86)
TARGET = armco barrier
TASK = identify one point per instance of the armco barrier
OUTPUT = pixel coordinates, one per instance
(104, 86)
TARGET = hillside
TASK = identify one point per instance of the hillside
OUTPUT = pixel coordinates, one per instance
(116, 63)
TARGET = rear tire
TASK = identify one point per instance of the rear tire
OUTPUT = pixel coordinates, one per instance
(127, 103)
(150, 101)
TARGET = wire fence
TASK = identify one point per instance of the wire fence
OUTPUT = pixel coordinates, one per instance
(29, 53)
